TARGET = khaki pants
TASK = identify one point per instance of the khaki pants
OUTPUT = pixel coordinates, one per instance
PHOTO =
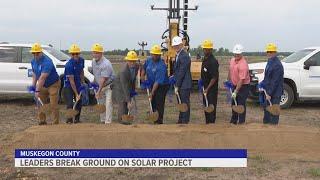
(53, 93)
(106, 99)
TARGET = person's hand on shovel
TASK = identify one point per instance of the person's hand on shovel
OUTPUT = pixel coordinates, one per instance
(78, 97)
(176, 90)
(268, 97)
(234, 94)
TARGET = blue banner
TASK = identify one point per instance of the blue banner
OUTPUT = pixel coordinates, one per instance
(130, 153)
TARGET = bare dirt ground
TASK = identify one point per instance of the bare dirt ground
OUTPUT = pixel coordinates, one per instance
(289, 151)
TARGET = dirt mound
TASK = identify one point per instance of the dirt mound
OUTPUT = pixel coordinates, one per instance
(288, 142)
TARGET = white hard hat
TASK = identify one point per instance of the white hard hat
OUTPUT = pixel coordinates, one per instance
(238, 49)
(177, 40)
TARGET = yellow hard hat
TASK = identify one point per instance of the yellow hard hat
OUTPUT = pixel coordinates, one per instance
(156, 50)
(74, 49)
(207, 44)
(97, 48)
(36, 48)
(271, 47)
(132, 56)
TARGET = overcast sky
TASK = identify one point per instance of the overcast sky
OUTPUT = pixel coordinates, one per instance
(117, 24)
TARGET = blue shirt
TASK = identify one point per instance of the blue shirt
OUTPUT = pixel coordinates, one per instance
(45, 65)
(73, 68)
(156, 71)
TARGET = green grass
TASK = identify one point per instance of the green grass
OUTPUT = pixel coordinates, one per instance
(314, 172)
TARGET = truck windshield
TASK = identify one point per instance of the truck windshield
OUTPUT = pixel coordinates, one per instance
(297, 56)
(57, 54)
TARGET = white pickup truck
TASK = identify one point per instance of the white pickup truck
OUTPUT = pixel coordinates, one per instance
(15, 66)
(301, 76)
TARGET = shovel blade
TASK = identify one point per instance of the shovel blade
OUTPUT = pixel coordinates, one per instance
(100, 108)
(153, 116)
(45, 109)
(209, 109)
(71, 113)
(183, 107)
(238, 109)
(127, 117)
(274, 109)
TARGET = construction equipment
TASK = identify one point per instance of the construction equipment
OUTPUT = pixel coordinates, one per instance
(274, 109)
(174, 10)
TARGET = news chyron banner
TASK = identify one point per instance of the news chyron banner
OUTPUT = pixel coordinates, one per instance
(131, 158)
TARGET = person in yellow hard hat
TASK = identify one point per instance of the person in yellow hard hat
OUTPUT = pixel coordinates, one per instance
(272, 83)
(124, 86)
(210, 79)
(103, 76)
(73, 78)
(156, 71)
(46, 82)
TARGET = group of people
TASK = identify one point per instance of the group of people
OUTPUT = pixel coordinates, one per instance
(120, 89)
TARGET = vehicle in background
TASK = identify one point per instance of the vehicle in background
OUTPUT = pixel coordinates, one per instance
(301, 77)
(16, 71)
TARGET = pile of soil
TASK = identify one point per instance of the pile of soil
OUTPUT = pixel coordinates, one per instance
(284, 142)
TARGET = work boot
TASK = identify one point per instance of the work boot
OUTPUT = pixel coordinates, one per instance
(56, 122)
(77, 121)
(69, 121)
(42, 123)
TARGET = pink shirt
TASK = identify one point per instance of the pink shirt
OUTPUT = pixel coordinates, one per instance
(239, 70)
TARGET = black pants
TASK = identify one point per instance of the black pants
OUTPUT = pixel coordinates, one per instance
(69, 97)
(241, 100)
(212, 97)
(158, 101)
(184, 117)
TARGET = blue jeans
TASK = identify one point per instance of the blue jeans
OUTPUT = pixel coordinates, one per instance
(241, 100)
(268, 118)
(184, 117)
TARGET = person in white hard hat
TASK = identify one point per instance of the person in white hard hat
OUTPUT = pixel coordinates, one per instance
(240, 78)
(182, 75)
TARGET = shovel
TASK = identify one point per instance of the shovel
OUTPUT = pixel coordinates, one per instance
(100, 108)
(44, 108)
(128, 117)
(237, 108)
(153, 116)
(183, 107)
(208, 108)
(71, 113)
(273, 109)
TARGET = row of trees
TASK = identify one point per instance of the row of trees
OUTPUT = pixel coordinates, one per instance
(193, 51)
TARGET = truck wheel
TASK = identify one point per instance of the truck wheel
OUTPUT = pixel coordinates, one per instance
(287, 98)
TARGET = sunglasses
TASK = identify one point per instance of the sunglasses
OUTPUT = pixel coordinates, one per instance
(75, 54)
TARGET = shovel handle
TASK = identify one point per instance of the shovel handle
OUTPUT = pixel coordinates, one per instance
(148, 92)
(205, 97)
(234, 99)
(40, 101)
(265, 92)
(76, 103)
